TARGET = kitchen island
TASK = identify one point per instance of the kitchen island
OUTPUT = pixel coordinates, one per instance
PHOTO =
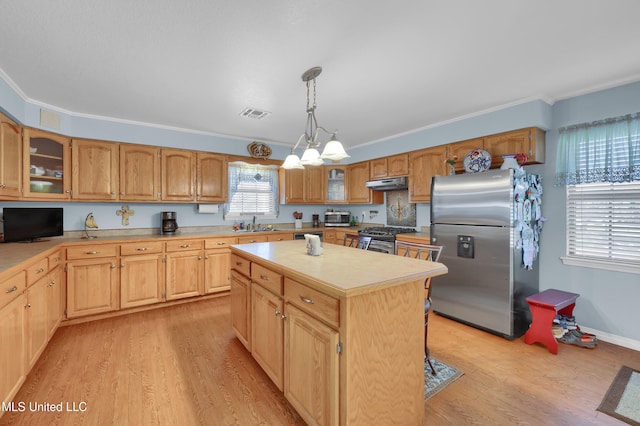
(341, 334)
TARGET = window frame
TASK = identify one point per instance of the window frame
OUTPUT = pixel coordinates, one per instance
(274, 198)
(580, 201)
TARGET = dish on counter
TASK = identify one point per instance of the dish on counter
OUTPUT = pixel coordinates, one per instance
(477, 160)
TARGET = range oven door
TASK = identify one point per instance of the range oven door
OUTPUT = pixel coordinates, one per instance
(381, 246)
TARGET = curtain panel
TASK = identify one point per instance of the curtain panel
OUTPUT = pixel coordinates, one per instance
(603, 151)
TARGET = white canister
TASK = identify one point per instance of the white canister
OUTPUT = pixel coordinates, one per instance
(298, 223)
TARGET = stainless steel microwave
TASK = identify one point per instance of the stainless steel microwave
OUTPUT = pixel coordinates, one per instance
(337, 218)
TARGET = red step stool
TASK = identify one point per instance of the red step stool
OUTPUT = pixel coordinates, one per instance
(544, 307)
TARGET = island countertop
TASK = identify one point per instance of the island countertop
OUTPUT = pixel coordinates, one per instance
(342, 271)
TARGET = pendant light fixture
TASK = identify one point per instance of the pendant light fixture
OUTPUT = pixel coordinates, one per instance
(333, 149)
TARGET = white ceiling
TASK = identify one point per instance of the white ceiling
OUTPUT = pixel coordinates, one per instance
(388, 67)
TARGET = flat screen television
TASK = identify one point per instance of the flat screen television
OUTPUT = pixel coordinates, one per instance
(31, 223)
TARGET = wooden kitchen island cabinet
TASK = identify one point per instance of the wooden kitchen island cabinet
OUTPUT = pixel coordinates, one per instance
(353, 330)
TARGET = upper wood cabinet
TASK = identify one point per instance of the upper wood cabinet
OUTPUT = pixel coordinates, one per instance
(95, 170)
(304, 186)
(212, 174)
(178, 175)
(395, 165)
(336, 188)
(425, 164)
(529, 141)
(460, 149)
(139, 173)
(358, 193)
(10, 159)
(45, 165)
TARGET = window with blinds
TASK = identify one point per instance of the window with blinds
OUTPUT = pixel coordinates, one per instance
(253, 191)
(603, 223)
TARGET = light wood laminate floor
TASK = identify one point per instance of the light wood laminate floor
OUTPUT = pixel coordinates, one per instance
(182, 365)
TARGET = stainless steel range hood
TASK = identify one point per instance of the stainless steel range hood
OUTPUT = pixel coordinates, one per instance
(390, 184)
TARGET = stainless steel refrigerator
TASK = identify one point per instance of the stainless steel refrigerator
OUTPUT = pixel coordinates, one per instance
(480, 218)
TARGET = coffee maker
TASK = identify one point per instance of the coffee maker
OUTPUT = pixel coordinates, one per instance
(169, 224)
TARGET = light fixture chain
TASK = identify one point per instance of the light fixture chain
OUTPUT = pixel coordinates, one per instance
(314, 93)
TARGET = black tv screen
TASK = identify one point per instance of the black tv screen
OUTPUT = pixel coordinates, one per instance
(31, 224)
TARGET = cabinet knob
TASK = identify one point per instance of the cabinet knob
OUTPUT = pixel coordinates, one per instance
(113, 266)
(141, 249)
(277, 312)
(114, 193)
(185, 246)
(199, 257)
(28, 305)
(52, 283)
(283, 316)
(220, 243)
(264, 277)
(121, 193)
(122, 265)
(206, 258)
(92, 252)
(12, 289)
(39, 271)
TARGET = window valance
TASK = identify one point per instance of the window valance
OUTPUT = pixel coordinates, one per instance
(603, 151)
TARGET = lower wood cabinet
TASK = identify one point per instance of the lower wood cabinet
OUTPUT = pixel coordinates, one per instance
(12, 344)
(184, 269)
(184, 274)
(240, 302)
(55, 302)
(267, 332)
(141, 280)
(217, 264)
(36, 326)
(311, 367)
(92, 286)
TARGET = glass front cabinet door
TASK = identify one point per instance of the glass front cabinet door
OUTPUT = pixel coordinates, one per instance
(336, 192)
(46, 165)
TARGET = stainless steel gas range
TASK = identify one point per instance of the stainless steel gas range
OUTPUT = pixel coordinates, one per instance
(383, 238)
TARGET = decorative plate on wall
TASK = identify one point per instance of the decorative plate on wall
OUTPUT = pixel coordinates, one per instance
(259, 150)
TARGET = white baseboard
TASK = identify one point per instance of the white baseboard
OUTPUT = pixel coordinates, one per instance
(612, 338)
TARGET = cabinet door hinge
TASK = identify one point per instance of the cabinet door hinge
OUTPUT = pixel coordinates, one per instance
(339, 347)
(164, 259)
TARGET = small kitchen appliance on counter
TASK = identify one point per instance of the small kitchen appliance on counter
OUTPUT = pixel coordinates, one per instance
(169, 223)
(337, 218)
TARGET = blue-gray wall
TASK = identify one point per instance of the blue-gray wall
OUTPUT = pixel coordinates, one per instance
(607, 299)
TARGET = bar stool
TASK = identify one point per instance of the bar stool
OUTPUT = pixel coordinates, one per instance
(357, 241)
(430, 253)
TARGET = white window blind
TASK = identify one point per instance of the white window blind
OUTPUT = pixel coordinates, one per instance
(603, 222)
(253, 191)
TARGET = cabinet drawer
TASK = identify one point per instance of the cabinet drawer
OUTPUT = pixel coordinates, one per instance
(12, 288)
(146, 247)
(37, 270)
(92, 250)
(219, 243)
(241, 265)
(320, 305)
(184, 245)
(270, 280)
(279, 237)
(55, 259)
(249, 239)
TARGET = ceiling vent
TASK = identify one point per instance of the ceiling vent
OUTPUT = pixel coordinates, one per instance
(254, 113)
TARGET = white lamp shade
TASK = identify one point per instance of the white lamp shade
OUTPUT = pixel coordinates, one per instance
(292, 162)
(334, 151)
(311, 157)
